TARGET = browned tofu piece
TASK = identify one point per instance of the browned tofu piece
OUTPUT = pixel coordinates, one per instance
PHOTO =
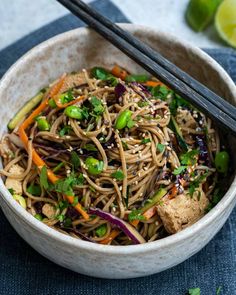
(182, 211)
(12, 183)
(73, 80)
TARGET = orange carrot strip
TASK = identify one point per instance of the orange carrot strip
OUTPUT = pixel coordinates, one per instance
(150, 212)
(36, 158)
(154, 83)
(62, 106)
(119, 72)
(114, 233)
(78, 207)
(147, 215)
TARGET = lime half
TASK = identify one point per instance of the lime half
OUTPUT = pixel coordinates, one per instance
(225, 21)
(200, 13)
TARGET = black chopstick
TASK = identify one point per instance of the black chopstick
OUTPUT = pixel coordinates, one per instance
(158, 58)
(155, 69)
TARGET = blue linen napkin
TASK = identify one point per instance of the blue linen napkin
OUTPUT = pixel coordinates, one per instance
(24, 271)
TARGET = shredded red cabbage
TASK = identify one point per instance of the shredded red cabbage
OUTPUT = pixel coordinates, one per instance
(129, 230)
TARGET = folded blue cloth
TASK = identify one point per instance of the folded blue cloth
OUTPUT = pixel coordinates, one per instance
(24, 271)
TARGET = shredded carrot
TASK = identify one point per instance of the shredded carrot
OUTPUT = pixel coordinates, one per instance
(119, 72)
(154, 83)
(78, 207)
(114, 233)
(147, 215)
(36, 158)
(62, 106)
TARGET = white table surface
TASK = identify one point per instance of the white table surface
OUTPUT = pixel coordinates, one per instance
(20, 17)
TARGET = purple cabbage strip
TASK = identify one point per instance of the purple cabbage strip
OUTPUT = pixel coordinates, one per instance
(120, 89)
(141, 87)
(129, 230)
(203, 154)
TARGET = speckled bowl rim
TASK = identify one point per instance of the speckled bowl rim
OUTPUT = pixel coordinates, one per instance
(134, 249)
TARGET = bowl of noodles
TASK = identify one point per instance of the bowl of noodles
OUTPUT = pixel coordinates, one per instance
(105, 169)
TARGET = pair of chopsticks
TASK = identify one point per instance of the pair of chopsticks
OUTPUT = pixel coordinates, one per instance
(199, 95)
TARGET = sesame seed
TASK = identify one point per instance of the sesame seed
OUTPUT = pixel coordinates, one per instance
(145, 168)
(120, 188)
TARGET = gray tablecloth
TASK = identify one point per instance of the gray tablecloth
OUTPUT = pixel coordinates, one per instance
(24, 271)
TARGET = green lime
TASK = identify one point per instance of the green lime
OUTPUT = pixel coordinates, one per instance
(225, 21)
(200, 13)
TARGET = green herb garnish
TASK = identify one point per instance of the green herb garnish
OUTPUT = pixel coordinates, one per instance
(67, 222)
(75, 160)
(130, 123)
(136, 215)
(90, 147)
(102, 74)
(66, 97)
(60, 217)
(43, 178)
(101, 230)
(179, 170)
(63, 205)
(145, 140)
(98, 107)
(195, 184)
(65, 130)
(34, 190)
(160, 92)
(119, 175)
(189, 158)
(160, 147)
(194, 291)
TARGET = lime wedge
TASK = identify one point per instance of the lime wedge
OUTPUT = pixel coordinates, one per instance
(225, 21)
(200, 13)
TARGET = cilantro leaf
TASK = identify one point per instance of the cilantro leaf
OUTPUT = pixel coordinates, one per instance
(101, 230)
(130, 123)
(119, 175)
(60, 217)
(43, 178)
(145, 140)
(67, 222)
(66, 97)
(160, 147)
(142, 104)
(80, 179)
(194, 291)
(136, 215)
(34, 190)
(85, 113)
(179, 170)
(177, 101)
(63, 205)
(65, 130)
(75, 160)
(160, 92)
(90, 147)
(195, 184)
(102, 74)
(189, 158)
(98, 107)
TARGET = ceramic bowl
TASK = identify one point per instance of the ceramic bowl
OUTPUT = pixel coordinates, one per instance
(83, 48)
